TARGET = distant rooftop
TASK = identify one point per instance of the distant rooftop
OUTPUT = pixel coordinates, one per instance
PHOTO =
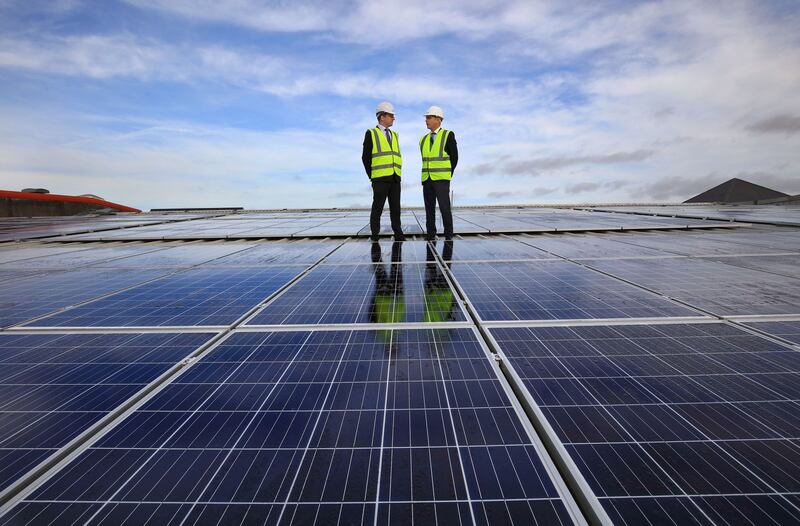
(736, 191)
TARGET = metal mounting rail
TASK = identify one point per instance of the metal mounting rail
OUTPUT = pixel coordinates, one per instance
(579, 490)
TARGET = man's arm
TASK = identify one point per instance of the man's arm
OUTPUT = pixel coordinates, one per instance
(451, 147)
(366, 153)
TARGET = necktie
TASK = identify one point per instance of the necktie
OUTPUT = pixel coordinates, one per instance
(388, 136)
(433, 137)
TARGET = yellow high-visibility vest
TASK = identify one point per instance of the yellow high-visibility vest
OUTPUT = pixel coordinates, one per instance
(386, 159)
(435, 161)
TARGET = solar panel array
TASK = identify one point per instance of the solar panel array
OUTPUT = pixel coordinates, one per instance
(280, 225)
(618, 374)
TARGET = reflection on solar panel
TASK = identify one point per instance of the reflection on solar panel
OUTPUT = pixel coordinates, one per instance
(695, 421)
(41, 294)
(547, 290)
(206, 296)
(375, 293)
(716, 287)
(54, 386)
(197, 370)
(365, 252)
(304, 427)
(477, 249)
(590, 245)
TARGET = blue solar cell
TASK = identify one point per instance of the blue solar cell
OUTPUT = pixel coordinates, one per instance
(52, 389)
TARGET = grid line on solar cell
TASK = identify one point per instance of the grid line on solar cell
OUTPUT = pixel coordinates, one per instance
(203, 296)
(555, 290)
(636, 433)
(432, 434)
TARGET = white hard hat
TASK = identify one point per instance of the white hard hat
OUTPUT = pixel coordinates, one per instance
(385, 107)
(436, 111)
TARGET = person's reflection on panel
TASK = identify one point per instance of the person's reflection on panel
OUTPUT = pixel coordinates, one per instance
(439, 299)
(388, 302)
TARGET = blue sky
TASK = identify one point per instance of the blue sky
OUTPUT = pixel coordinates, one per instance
(161, 103)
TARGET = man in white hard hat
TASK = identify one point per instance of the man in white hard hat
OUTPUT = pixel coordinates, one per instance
(383, 164)
(439, 159)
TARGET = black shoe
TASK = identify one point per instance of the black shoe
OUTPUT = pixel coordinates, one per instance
(400, 237)
(374, 238)
(448, 238)
(430, 238)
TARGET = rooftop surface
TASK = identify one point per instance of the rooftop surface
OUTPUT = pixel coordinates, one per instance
(602, 365)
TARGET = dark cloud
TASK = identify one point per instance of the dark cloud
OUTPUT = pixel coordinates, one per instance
(482, 169)
(500, 195)
(343, 195)
(615, 185)
(540, 191)
(677, 188)
(784, 124)
(581, 188)
(588, 186)
(536, 166)
(680, 139)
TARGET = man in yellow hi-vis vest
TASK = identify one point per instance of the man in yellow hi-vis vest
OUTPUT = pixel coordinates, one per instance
(383, 164)
(439, 158)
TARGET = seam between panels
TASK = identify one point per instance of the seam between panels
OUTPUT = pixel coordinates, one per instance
(578, 498)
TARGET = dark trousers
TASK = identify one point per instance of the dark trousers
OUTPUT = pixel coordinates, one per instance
(380, 191)
(433, 191)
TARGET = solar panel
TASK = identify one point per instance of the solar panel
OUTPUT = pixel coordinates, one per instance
(777, 215)
(478, 249)
(374, 293)
(202, 296)
(54, 386)
(309, 427)
(715, 287)
(358, 251)
(22, 300)
(13, 254)
(271, 253)
(788, 330)
(589, 245)
(546, 290)
(689, 423)
(692, 244)
(69, 258)
(178, 255)
(783, 265)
